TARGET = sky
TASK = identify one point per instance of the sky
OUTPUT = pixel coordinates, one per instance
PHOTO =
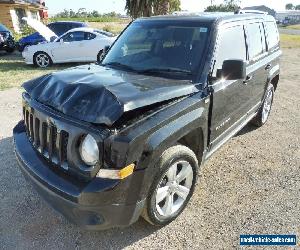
(105, 6)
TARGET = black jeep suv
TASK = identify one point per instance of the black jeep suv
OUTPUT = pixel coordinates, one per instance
(105, 143)
(7, 41)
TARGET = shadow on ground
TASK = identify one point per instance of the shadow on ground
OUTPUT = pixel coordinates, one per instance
(247, 129)
(37, 224)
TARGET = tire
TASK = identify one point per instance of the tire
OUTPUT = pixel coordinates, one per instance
(263, 114)
(176, 178)
(42, 60)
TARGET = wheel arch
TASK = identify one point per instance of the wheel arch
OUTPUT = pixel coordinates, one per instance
(187, 130)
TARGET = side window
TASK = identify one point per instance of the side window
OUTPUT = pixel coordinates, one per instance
(272, 34)
(74, 36)
(89, 36)
(255, 40)
(232, 45)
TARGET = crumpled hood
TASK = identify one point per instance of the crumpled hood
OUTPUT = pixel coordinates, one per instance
(100, 95)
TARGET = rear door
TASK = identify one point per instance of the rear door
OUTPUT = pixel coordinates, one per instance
(257, 70)
(230, 97)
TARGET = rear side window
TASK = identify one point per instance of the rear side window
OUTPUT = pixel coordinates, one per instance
(74, 36)
(272, 34)
(89, 36)
(255, 39)
(232, 45)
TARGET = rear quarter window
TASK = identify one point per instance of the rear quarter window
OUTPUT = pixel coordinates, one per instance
(272, 34)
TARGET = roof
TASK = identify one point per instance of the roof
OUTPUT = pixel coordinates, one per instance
(288, 12)
(209, 17)
(35, 3)
(77, 22)
(85, 29)
(261, 8)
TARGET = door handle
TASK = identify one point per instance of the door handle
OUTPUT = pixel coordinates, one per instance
(248, 79)
(268, 66)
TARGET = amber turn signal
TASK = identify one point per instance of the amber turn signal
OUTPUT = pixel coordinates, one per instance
(116, 174)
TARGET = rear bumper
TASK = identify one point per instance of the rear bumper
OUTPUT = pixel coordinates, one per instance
(98, 204)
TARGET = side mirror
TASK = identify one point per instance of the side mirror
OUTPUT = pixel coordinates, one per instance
(102, 53)
(61, 40)
(234, 69)
(106, 48)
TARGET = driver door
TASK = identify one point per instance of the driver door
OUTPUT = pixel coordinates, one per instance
(231, 101)
(70, 47)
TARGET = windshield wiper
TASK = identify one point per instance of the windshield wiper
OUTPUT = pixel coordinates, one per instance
(165, 70)
(119, 65)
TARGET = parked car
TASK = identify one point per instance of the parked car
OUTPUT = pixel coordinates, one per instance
(58, 28)
(76, 45)
(105, 143)
(7, 41)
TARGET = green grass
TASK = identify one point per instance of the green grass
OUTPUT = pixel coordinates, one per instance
(13, 70)
(293, 27)
(113, 27)
(289, 41)
(86, 19)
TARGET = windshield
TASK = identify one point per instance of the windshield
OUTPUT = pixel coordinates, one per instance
(160, 47)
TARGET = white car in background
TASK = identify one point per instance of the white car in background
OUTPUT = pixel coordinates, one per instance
(76, 45)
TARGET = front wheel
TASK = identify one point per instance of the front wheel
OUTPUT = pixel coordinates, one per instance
(42, 60)
(172, 187)
(263, 114)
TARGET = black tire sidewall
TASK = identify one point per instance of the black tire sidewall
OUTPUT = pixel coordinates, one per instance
(152, 212)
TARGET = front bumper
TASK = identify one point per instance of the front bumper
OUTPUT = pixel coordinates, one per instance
(28, 57)
(98, 204)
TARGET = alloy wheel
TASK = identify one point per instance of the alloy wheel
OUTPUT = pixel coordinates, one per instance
(174, 188)
(267, 106)
(42, 60)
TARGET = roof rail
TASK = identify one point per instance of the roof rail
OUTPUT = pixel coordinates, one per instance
(251, 12)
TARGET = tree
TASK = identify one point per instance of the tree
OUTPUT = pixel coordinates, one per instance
(137, 8)
(228, 6)
(289, 6)
(297, 7)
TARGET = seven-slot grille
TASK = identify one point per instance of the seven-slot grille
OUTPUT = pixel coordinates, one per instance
(46, 138)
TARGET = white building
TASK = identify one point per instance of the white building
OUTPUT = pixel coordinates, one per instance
(288, 16)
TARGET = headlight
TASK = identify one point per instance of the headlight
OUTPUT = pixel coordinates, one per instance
(89, 151)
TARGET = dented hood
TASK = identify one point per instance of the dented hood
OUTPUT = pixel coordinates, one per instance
(96, 94)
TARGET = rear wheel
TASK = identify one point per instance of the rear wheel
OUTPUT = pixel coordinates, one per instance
(172, 187)
(42, 60)
(264, 112)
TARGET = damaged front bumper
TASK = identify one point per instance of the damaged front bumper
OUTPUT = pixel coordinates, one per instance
(98, 204)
